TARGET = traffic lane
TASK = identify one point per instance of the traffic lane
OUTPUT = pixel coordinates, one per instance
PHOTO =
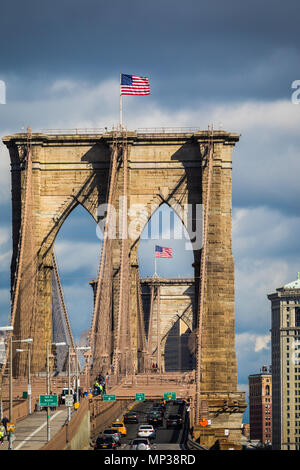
(141, 409)
(163, 435)
(171, 435)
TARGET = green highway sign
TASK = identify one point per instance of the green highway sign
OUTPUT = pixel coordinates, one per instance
(109, 397)
(170, 396)
(48, 400)
(140, 396)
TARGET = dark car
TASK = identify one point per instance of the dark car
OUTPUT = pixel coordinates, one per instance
(174, 421)
(105, 442)
(131, 417)
(109, 432)
(155, 418)
(158, 409)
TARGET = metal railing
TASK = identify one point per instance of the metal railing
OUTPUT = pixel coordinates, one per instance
(146, 130)
(192, 445)
(168, 130)
(76, 131)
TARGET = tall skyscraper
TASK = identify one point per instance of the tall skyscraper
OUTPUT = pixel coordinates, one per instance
(286, 366)
(260, 406)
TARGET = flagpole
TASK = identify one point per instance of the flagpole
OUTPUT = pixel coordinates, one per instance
(121, 120)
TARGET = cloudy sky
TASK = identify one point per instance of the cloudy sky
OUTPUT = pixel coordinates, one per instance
(228, 63)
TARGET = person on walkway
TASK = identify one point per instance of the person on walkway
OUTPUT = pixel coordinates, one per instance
(96, 388)
(2, 433)
(101, 379)
(4, 422)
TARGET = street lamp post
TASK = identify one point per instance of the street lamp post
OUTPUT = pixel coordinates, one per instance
(10, 394)
(29, 377)
(87, 357)
(79, 348)
(76, 372)
(3, 328)
(69, 382)
(11, 341)
(48, 386)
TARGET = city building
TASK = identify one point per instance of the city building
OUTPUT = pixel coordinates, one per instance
(246, 431)
(260, 406)
(285, 305)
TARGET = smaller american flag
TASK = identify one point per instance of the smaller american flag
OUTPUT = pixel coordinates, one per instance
(162, 252)
(133, 85)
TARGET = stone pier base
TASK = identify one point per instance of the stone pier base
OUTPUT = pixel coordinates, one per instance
(224, 415)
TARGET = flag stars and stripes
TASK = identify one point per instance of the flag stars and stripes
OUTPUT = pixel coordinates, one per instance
(163, 252)
(133, 85)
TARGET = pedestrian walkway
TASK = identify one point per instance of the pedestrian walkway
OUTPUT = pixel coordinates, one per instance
(31, 432)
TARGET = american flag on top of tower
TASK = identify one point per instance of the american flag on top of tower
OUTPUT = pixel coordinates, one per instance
(133, 85)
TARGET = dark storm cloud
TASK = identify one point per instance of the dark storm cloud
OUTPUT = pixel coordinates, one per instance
(219, 49)
(266, 170)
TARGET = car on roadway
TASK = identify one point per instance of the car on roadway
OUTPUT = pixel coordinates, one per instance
(174, 421)
(104, 443)
(140, 444)
(158, 409)
(114, 434)
(130, 417)
(146, 430)
(155, 418)
(120, 426)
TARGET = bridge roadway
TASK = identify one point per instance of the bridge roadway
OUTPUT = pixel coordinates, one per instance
(31, 432)
(166, 439)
